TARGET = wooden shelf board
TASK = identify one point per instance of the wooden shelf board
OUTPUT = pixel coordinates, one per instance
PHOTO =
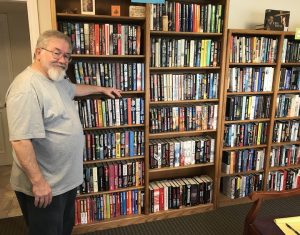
(247, 121)
(185, 34)
(287, 118)
(153, 103)
(111, 191)
(179, 134)
(112, 160)
(171, 69)
(164, 169)
(285, 143)
(242, 173)
(250, 93)
(244, 147)
(84, 56)
(226, 201)
(112, 127)
(291, 64)
(276, 168)
(252, 64)
(68, 16)
(288, 91)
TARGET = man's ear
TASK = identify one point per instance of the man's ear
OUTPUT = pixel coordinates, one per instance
(37, 53)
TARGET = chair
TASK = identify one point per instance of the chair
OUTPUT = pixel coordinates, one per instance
(266, 226)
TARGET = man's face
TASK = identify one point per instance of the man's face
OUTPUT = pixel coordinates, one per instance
(54, 58)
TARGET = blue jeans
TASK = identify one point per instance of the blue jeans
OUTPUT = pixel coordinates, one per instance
(56, 219)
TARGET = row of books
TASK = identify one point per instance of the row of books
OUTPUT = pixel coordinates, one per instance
(240, 186)
(112, 176)
(247, 107)
(176, 193)
(102, 39)
(250, 79)
(289, 78)
(173, 87)
(285, 155)
(182, 151)
(245, 134)
(111, 112)
(171, 52)
(290, 51)
(108, 144)
(107, 206)
(253, 49)
(242, 160)
(283, 180)
(123, 76)
(287, 105)
(186, 17)
(185, 118)
(285, 131)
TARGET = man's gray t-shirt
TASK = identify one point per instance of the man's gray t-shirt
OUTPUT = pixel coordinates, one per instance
(43, 111)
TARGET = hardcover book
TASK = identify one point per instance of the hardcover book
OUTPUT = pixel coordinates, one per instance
(276, 20)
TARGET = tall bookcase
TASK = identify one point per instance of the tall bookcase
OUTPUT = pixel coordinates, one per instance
(252, 105)
(200, 30)
(186, 70)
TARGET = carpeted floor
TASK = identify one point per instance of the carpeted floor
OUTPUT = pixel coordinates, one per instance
(224, 221)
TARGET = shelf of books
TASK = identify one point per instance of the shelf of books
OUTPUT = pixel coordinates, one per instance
(284, 163)
(187, 47)
(253, 114)
(109, 51)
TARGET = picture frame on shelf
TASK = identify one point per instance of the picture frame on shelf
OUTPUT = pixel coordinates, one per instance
(88, 7)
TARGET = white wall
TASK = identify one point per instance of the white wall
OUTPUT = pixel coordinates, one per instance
(246, 14)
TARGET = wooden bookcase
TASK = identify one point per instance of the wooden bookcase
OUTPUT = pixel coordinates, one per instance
(165, 72)
(238, 93)
(69, 11)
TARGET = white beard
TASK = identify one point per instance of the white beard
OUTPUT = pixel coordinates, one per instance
(56, 74)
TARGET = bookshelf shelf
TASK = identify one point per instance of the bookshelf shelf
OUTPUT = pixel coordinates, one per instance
(285, 143)
(247, 121)
(110, 191)
(286, 118)
(252, 64)
(183, 34)
(179, 134)
(113, 127)
(182, 102)
(242, 173)
(103, 18)
(114, 57)
(250, 93)
(225, 201)
(171, 69)
(290, 64)
(288, 91)
(244, 147)
(276, 168)
(155, 171)
(113, 160)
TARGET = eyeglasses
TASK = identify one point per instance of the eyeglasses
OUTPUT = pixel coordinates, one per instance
(58, 54)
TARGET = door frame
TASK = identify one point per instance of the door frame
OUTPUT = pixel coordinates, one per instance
(33, 22)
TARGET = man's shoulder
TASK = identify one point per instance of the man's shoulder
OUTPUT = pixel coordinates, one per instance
(23, 81)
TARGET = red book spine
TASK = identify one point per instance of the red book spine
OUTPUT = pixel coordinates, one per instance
(111, 177)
